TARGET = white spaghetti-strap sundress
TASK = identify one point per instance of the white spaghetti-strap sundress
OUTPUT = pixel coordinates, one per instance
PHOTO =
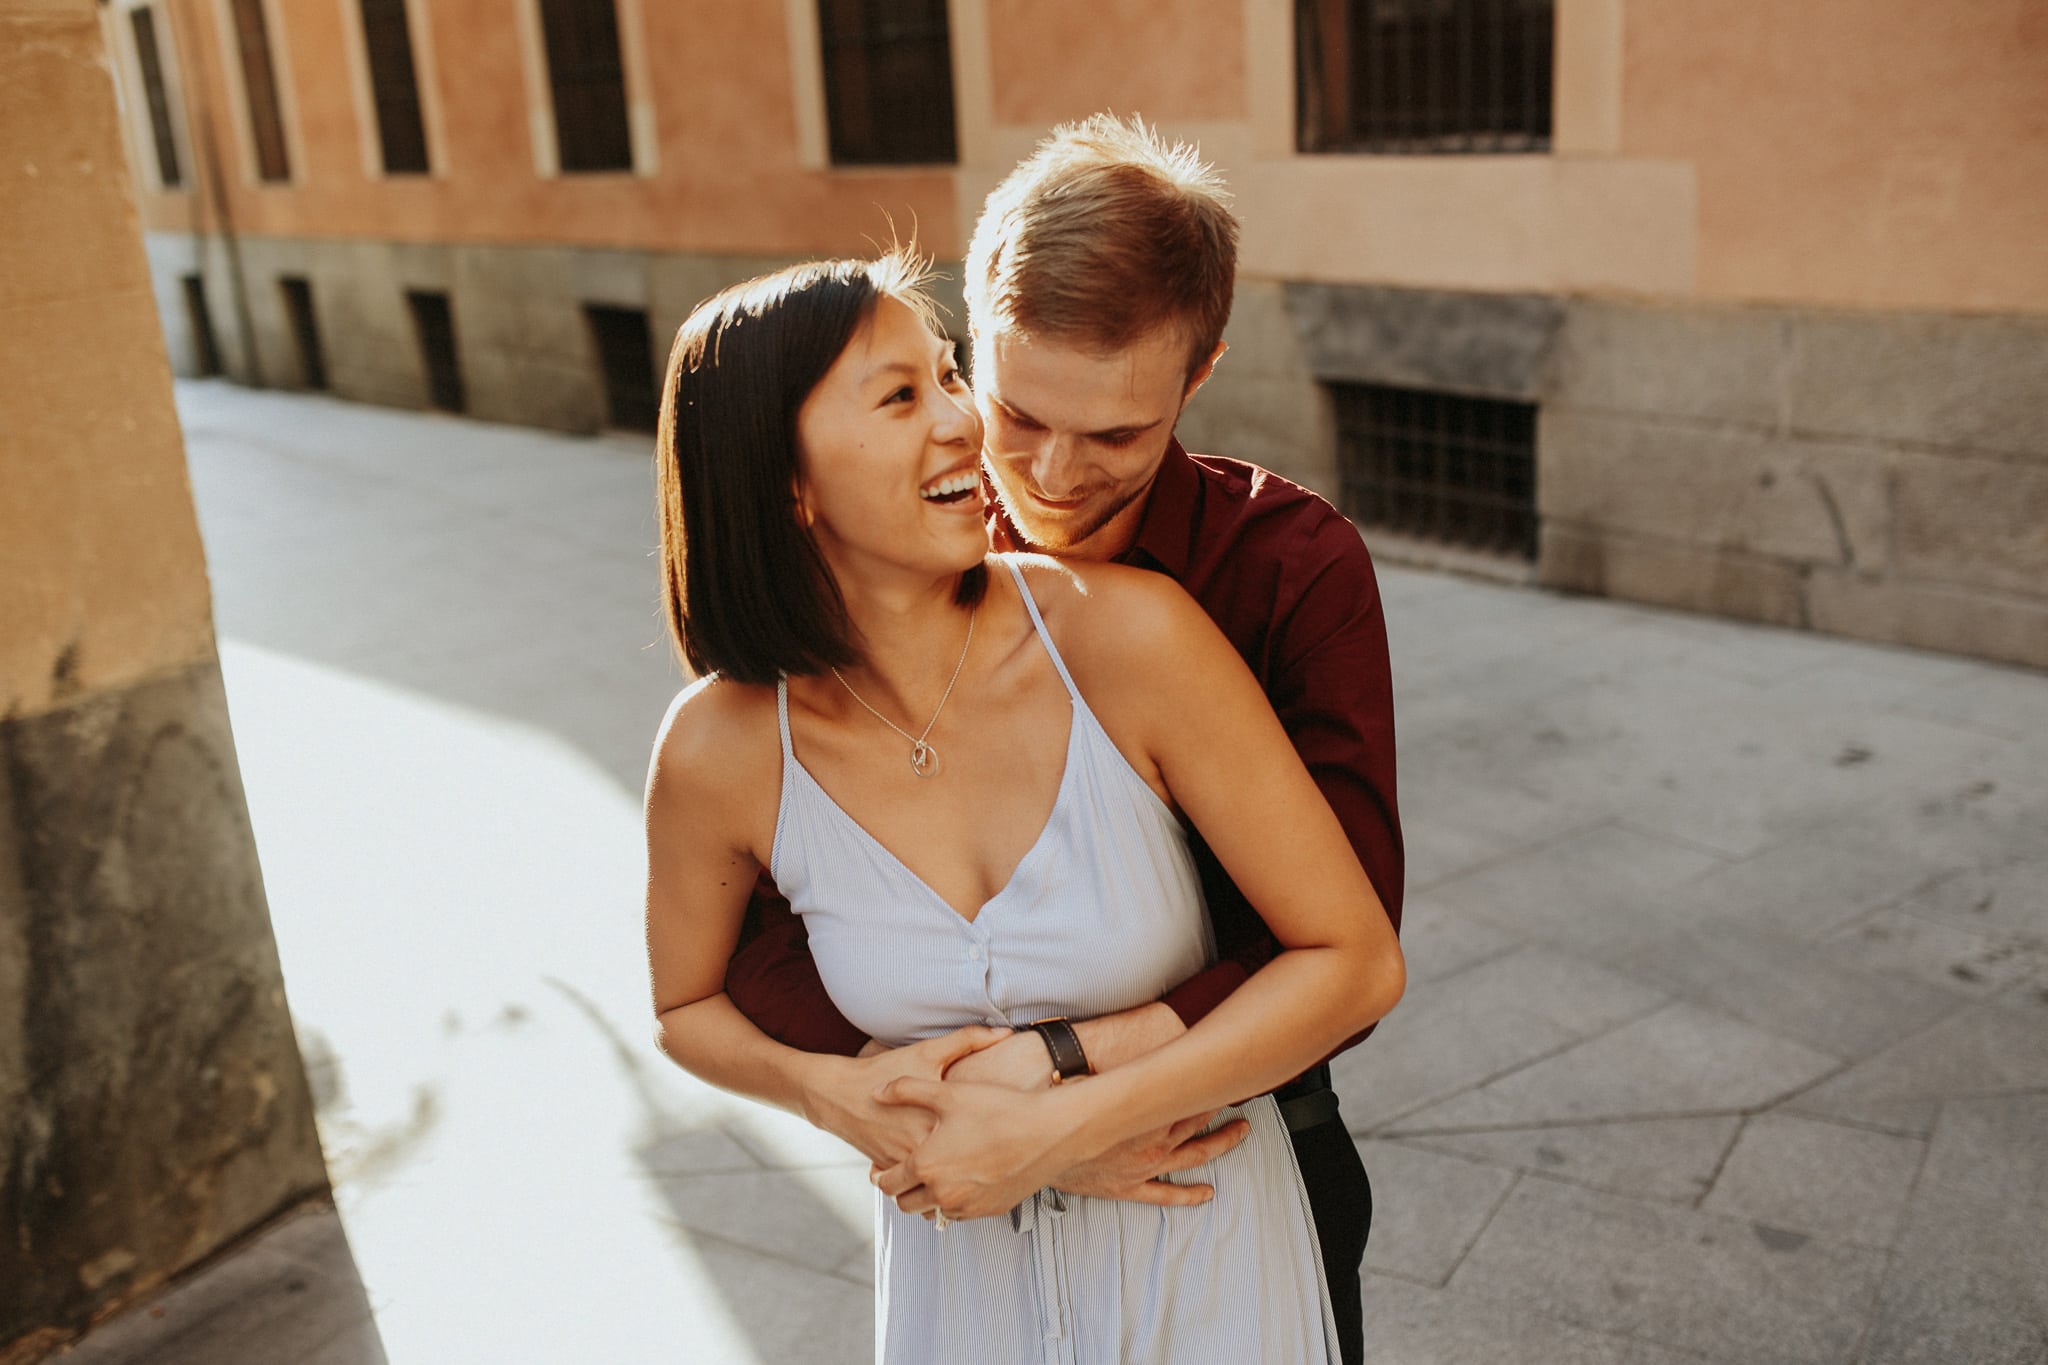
(1103, 913)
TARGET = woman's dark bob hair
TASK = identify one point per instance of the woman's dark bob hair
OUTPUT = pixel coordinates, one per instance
(747, 593)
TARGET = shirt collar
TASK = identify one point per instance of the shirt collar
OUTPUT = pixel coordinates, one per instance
(1166, 533)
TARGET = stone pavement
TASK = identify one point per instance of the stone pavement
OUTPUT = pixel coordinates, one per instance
(1726, 1038)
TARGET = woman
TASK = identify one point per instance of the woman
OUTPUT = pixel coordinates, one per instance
(967, 773)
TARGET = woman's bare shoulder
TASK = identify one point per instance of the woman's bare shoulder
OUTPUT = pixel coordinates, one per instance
(1112, 610)
(718, 738)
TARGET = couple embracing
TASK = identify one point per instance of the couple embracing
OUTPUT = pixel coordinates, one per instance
(1082, 801)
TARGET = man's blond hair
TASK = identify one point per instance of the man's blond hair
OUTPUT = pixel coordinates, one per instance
(1106, 233)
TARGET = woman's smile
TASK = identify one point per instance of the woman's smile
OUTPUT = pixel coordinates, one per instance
(955, 488)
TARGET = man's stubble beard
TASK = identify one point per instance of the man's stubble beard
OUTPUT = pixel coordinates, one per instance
(1074, 533)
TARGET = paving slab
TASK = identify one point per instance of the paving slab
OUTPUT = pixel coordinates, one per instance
(2001, 701)
(1983, 812)
(1411, 1324)
(1823, 996)
(2005, 897)
(1969, 1278)
(818, 1219)
(1993, 1048)
(1459, 824)
(698, 1149)
(1872, 677)
(1822, 1179)
(291, 1293)
(1427, 1209)
(1438, 941)
(1668, 1159)
(1726, 1288)
(1587, 892)
(1743, 766)
(1681, 1060)
(1478, 1023)
(1973, 961)
(1818, 875)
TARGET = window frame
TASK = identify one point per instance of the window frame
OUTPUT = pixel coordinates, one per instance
(1452, 112)
(542, 121)
(839, 151)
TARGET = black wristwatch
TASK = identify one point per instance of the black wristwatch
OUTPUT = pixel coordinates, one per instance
(1068, 1060)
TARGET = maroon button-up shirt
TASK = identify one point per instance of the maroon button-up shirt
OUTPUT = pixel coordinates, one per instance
(1289, 582)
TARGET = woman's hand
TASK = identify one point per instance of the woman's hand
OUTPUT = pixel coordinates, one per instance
(989, 1146)
(1131, 1170)
(840, 1096)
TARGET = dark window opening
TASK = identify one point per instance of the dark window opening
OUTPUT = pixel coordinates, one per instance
(625, 354)
(1423, 76)
(259, 78)
(151, 62)
(888, 81)
(435, 323)
(298, 307)
(1439, 466)
(588, 79)
(205, 349)
(394, 87)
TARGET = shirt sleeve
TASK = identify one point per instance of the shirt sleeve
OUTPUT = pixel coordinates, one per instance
(774, 981)
(1329, 680)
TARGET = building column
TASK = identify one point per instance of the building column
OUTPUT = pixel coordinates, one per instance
(153, 1107)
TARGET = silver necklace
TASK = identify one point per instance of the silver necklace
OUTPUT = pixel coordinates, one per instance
(924, 758)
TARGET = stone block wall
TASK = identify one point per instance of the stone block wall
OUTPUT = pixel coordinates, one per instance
(1877, 475)
(1263, 404)
(522, 341)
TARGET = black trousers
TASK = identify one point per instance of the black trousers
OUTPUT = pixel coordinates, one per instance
(1340, 1198)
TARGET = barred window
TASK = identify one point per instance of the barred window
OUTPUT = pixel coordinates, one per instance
(588, 79)
(434, 323)
(625, 353)
(199, 318)
(394, 87)
(888, 81)
(143, 20)
(1439, 466)
(1423, 76)
(259, 79)
(298, 307)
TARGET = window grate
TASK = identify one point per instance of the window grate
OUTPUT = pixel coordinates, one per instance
(888, 81)
(625, 354)
(205, 349)
(394, 87)
(298, 307)
(259, 77)
(587, 76)
(434, 322)
(151, 61)
(1424, 76)
(1439, 466)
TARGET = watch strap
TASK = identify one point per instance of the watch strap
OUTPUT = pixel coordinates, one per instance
(1068, 1060)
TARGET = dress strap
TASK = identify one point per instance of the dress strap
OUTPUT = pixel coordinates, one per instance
(782, 716)
(1038, 624)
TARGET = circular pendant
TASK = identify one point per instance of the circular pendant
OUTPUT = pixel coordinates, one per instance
(924, 759)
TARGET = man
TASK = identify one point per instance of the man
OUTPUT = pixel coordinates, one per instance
(1098, 284)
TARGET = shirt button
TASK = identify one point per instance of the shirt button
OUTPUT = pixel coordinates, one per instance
(974, 953)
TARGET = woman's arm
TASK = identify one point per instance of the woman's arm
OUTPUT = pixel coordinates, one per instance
(1175, 696)
(710, 794)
